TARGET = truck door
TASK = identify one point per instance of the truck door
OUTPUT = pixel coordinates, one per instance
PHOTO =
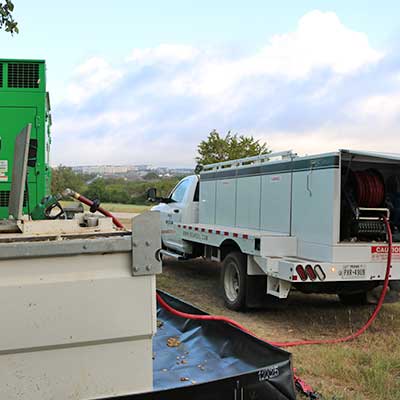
(174, 212)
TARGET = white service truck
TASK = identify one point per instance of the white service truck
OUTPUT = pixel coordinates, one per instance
(280, 221)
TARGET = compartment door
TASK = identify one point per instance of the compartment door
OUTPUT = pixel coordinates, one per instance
(12, 121)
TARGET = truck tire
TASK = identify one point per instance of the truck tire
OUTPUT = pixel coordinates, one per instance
(234, 280)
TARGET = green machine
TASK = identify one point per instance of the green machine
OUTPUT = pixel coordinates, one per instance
(24, 100)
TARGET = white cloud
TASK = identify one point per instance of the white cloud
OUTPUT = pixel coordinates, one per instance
(335, 137)
(381, 107)
(164, 53)
(107, 119)
(320, 41)
(317, 88)
(93, 76)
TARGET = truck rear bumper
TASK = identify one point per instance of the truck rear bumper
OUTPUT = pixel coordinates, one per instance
(300, 270)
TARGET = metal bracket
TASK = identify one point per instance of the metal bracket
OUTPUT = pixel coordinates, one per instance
(146, 243)
(278, 287)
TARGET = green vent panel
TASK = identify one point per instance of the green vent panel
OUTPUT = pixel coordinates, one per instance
(1, 75)
(5, 197)
(23, 75)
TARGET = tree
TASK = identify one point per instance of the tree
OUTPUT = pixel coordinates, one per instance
(231, 147)
(98, 190)
(64, 177)
(6, 19)
(151, 176)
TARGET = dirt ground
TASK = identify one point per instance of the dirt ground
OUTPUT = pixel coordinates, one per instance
(368, 368)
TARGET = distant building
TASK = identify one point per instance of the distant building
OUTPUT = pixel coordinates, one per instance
(130, 171)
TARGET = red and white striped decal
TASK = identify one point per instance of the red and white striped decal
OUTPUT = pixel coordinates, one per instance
(216, 231)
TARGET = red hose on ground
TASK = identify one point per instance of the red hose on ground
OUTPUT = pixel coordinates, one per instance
(353, 336)
(371, 319)
(88, 202)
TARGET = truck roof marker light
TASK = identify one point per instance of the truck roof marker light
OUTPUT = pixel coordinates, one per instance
(196, 229)
(310, 272)
(245, 236)
(210, 231)
(203, 229)
(319, 272)
(179, 226)
(300, 271)
(226, 233)
(235, 235)
(184, 226)
(189, 227)
(217, 232)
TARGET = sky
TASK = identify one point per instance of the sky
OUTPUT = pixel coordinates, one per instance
(136, 83)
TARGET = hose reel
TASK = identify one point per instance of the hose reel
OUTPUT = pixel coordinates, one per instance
(363, 195)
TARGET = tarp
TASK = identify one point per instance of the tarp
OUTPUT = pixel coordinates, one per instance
(212, 360)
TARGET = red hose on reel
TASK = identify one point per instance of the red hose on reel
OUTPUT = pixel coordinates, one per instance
(370, 188)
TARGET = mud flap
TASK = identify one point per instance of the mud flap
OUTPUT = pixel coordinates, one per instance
(256, 294)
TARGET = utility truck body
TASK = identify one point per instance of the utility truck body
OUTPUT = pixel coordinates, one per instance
(280, 221)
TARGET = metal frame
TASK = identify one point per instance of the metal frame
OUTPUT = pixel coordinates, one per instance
(262, 158)
(146, 244)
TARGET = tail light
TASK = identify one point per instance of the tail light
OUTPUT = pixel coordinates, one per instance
(320, 273)
(310, 272)
(300, 271)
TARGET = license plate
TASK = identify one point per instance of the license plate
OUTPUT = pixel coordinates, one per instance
(353, 272)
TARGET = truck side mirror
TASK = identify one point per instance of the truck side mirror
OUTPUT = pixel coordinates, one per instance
(151, 194)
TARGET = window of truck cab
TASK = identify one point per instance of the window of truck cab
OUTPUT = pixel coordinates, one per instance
(178, 194)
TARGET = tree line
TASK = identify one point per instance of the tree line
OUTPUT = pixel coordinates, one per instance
(109, 190)
(215, 148)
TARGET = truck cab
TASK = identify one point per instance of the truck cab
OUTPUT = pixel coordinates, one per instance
(181, 206)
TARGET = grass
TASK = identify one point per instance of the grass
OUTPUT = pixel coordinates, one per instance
(365, 369)
(128, 208)
(115, 207)
(368, 368)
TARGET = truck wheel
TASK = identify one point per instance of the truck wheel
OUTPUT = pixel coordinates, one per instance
(353, 299)
(233, 279)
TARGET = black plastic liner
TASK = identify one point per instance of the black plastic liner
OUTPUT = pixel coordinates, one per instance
(214, 361)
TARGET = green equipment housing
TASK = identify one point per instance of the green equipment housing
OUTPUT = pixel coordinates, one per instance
(24, 100)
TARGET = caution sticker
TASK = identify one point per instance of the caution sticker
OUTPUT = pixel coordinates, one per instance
(3, 170)
(3, 167)
(275, 178)
(380, 253)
